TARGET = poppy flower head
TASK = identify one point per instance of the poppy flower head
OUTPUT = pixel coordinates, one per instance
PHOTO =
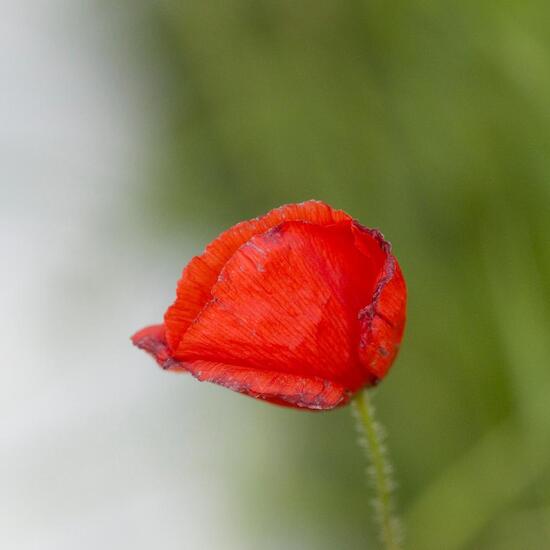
(301, 307)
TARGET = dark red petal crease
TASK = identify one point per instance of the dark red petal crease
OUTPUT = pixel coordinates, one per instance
(382, 320)
(382, 324)
(275, 387)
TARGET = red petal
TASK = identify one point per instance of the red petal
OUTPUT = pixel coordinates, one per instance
(275, 387)
(201, 273)
(153, 340)
(287, 302)
(383, 321)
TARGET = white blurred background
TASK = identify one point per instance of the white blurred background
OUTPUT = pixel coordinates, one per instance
(99, 449)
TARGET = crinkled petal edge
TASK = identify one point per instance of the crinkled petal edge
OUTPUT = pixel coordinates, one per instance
(383, 319)
(284, 389)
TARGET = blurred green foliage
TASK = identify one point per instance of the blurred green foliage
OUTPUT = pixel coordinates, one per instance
(431, 121)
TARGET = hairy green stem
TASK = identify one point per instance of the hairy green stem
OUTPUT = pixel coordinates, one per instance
(379, 470)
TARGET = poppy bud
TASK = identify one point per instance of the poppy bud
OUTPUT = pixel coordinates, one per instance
(301, 307)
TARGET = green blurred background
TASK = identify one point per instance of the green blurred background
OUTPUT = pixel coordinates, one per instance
(430, 121)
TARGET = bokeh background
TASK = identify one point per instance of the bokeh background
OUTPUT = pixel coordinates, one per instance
(132, 132)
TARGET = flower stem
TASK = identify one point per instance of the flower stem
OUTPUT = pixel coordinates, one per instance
(379, 470)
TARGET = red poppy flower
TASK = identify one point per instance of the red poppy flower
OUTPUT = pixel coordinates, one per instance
(301, 307)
